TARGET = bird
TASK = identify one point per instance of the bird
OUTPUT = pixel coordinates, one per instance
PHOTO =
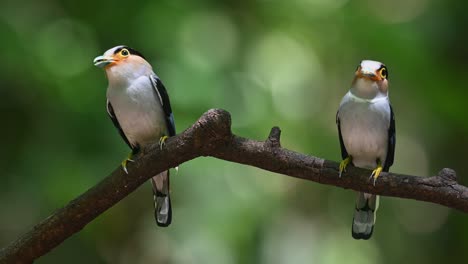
(139, 107)
(366, 129)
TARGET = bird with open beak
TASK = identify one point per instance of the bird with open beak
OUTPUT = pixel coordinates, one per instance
(366, 128)
(139, 107)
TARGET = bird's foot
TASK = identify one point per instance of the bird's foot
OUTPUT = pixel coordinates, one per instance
(344, 164)
(162, 141)
(126, 160)
(376, 173)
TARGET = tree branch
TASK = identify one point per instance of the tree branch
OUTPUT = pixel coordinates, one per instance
(211, 136)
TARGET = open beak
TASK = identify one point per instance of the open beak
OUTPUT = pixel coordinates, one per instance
(102, 61)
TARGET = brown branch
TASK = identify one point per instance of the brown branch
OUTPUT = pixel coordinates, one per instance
(211, 136)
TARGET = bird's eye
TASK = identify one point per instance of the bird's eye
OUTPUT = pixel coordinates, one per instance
(124, 52)
(383, 73)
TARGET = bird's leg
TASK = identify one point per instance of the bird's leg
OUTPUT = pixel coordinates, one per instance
(377, 171)
(162, 141)
(344, 164)
(126, 160)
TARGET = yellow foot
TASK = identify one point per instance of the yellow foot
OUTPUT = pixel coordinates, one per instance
(344, 164)
(162, 141)
(126, 160)
(376, 172)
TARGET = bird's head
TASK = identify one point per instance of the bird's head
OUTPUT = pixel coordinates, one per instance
(123, 63)
(370, 80)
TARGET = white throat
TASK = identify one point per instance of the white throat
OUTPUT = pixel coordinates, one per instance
(366, 90)
(127, 73)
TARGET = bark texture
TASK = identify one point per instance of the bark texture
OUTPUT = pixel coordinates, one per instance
(211, 136)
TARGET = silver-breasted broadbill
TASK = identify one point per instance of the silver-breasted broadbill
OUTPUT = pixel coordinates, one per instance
(366, 128)
(138, 105)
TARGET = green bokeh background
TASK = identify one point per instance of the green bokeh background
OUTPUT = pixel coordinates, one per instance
(268, 62)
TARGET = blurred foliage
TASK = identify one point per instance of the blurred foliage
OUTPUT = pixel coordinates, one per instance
(268, 62)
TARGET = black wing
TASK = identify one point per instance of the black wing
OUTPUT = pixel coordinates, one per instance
(110, 112)
(166, 104)
(391, 142)
(344, 153)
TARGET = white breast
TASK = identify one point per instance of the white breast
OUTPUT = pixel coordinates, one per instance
(364, 128)
(138, 111)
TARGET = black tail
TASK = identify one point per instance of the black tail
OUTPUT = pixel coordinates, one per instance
(162, 199)
(364, 216)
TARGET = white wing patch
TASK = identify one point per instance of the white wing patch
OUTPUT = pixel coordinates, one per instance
(153, 81)
(107, 108)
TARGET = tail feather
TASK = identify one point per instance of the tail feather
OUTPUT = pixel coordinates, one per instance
(162, 199)
(365, 215)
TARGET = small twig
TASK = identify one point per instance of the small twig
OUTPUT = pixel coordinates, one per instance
(274, 137)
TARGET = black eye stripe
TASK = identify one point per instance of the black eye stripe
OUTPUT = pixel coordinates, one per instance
(118, 50)
(132, 51)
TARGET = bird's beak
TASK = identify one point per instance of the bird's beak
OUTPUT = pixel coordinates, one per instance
(370, 75)
(102, 61)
